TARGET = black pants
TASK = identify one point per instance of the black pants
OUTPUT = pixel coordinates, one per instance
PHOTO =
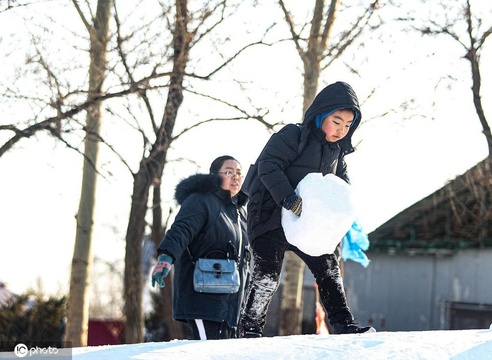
(210, 330)
(268, 252)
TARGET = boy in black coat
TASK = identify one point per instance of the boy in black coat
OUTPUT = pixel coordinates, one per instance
(318, 146)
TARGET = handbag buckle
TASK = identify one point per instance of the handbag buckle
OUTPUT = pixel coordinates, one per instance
(217, 270)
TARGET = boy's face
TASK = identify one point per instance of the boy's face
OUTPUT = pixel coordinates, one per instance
(337, 124)
(231, 175)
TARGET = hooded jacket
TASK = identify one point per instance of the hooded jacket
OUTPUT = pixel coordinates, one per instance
(281, 167)
(209, 224)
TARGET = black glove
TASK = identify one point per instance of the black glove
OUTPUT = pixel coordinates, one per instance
(293, 202)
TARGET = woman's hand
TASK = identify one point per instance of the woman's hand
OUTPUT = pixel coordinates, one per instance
(161, 269)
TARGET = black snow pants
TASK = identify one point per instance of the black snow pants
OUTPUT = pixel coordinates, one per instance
(268, 252)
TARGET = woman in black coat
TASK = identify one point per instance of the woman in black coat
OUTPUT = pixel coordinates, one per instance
(317, 146)
(210, 223)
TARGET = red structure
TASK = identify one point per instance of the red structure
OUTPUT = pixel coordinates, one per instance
(105, 332)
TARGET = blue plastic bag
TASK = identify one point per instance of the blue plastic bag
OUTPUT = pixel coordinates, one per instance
(353, 244)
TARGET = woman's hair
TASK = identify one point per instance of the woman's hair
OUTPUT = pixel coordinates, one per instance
(217, 163)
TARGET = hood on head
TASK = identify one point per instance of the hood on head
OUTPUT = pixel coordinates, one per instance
(336, 96)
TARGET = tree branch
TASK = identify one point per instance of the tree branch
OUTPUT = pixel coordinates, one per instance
(290, 23)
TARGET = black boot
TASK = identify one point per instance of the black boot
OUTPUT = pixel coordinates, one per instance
(350, 327)
(250, 332)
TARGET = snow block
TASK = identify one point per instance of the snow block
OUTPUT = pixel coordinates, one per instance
(328, 212)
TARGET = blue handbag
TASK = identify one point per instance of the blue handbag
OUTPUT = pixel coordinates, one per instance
(216, 276)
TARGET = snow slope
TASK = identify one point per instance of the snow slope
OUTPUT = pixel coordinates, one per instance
(435, 345)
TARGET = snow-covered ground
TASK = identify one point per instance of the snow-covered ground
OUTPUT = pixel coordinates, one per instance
(432, 345)
(435, 345)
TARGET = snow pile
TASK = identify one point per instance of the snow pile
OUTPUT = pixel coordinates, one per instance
(328, 212)
(432, 345)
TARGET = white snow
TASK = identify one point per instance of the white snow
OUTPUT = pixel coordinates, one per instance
(435, 345)
(328, 212)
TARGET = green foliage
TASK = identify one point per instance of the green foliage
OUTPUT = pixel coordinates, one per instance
(33, 321)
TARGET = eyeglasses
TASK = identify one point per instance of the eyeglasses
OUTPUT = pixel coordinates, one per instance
(230, 174)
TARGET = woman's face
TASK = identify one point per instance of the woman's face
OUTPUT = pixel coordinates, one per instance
(337, 124)
(230, 172)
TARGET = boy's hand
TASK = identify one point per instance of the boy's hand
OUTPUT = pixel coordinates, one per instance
(161, 269)
(293, 202)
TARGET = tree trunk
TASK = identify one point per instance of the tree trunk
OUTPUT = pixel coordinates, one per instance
(474, 58)
(78, 302)
(477, 99)
(151, 168)
(290, 321)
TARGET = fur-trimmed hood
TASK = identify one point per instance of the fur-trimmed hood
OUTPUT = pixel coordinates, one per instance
(203, 184)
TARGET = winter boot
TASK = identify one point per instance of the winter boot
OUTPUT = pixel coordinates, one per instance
(250, 332)
(349, 326)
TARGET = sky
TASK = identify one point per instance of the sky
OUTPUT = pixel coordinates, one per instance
(423, 345)
(397, 162)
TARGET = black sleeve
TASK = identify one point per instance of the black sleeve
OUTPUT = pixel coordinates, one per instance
(190, 220)
(279, 152)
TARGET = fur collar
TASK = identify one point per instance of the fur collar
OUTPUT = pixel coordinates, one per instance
(203, 184)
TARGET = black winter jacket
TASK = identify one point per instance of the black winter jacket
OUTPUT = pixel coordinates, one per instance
(281, 167)
(209, 220)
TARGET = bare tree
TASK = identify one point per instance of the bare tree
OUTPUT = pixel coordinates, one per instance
(188, 28)
(78, 301)
(63, 106)
(470, 30)
(151, 167)
(318, 47)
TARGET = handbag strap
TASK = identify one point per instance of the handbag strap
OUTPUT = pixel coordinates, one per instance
(240, 235)
(236, 252)
(226, 254)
